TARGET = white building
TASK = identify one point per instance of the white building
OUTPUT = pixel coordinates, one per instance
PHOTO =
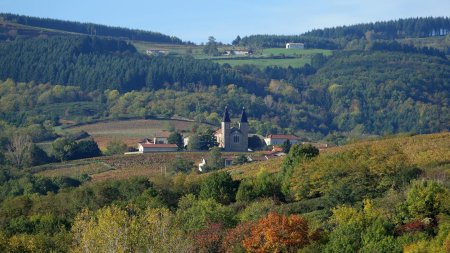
(295, 46)
(149, 147)
(278, 139)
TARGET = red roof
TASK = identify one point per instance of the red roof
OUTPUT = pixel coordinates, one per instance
(283, 136)
(151, 145)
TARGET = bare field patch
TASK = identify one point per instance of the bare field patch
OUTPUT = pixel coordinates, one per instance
(130, 131)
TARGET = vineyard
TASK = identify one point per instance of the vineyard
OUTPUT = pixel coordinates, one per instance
(130, 131)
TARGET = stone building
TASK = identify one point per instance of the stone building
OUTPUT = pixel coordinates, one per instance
(233, 139)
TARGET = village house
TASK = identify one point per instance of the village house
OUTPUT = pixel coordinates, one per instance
(278, 139)
(295, 46)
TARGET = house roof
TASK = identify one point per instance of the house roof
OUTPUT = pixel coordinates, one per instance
(151, 145)
(283, 136)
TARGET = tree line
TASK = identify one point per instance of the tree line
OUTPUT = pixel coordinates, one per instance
(91, 29)
(94, 63)
(339, 37)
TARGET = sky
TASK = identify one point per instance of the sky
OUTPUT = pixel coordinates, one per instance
(196, 20)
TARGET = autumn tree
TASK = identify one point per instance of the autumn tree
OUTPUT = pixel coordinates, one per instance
(232, 240)
(113, 229)
(19, 150)
(278, 233)
(209, 239)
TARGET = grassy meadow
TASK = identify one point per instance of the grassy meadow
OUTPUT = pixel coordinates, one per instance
(261, 58)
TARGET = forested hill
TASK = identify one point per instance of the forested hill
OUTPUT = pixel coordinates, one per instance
(95, 63)
(394, 29)
(332, 38)
(91, 29)
(372, 87)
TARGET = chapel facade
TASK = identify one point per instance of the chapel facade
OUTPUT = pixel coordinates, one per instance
(233, 139)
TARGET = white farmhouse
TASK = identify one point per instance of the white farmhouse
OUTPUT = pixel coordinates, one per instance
(295, 46)
(150, 147)
(278, 139)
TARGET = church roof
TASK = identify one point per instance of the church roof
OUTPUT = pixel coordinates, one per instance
(226, 115)
(244, 116)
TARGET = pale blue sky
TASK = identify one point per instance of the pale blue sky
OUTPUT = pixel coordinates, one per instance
(195, 20)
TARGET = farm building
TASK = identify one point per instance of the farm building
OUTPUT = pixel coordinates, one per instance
(237, 52)
(295, 46)
(278, 139)
(149, 147)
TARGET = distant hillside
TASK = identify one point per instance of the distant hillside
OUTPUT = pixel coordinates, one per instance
(388, 91)
(339, 37)
(372, 87)
(394, 29)
(91, 29)
(97, 63)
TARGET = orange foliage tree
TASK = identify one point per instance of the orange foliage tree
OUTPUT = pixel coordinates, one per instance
(232, 240)
(278, 233)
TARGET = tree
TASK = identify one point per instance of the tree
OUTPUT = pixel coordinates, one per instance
(62, 148)
(211, 47)
(181, 165)
(176, 138)
(194, 143)
(232, 240)
(240, 159)
(214, 160)
(426, 199)
(236, 41)
(220, 187)
(277, 233)
(286, 146)
(195, 214)
(38, 156)
(255, 143)
(297, 154)
(19, 150)
(67, 149)
(112, 229)
(209, 239)
(208, 140)
(115, 147)
(85, 149)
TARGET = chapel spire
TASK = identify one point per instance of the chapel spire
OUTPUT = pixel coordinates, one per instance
(226, 115)
(244, 116)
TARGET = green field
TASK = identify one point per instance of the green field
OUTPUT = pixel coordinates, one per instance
(295, 52)
(261, 58)
(280, 57)
(262, 63)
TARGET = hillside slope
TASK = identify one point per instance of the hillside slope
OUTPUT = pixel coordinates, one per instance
(50, 26)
